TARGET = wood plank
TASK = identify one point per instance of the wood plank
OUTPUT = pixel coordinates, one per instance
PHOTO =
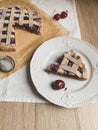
(51, 117)
(88, 117)
(17, 116)
(88, 20)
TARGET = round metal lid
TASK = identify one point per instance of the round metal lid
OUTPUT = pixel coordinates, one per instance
(6, 63)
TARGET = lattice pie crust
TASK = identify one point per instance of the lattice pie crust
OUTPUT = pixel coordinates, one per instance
(70, 65)
(16, 16)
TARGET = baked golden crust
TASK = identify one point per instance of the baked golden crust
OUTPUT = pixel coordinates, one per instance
(70, 65)
(16, 16)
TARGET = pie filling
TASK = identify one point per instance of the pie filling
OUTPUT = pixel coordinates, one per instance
(69, 65)
(12, 17)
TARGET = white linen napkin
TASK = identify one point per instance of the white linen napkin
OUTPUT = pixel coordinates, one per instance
(18, 87)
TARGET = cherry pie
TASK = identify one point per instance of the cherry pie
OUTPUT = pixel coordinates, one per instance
(16, 16)
(70, 65)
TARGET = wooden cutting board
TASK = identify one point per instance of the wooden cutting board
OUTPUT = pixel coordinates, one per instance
(27, 43)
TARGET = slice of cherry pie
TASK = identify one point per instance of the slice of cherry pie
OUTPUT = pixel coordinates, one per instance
(16, 16)
(69, 65)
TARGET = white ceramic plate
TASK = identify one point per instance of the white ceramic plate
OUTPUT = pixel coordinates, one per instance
(78, 93)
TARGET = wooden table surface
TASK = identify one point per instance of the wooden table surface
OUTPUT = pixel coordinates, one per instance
(29, 116)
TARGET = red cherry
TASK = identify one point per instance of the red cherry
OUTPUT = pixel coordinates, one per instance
(58, 84)
(64, 14)
(57, 17)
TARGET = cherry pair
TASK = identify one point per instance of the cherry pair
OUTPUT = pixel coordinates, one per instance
(63, 15)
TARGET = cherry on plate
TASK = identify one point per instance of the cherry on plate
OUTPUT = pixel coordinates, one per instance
(58, 84)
